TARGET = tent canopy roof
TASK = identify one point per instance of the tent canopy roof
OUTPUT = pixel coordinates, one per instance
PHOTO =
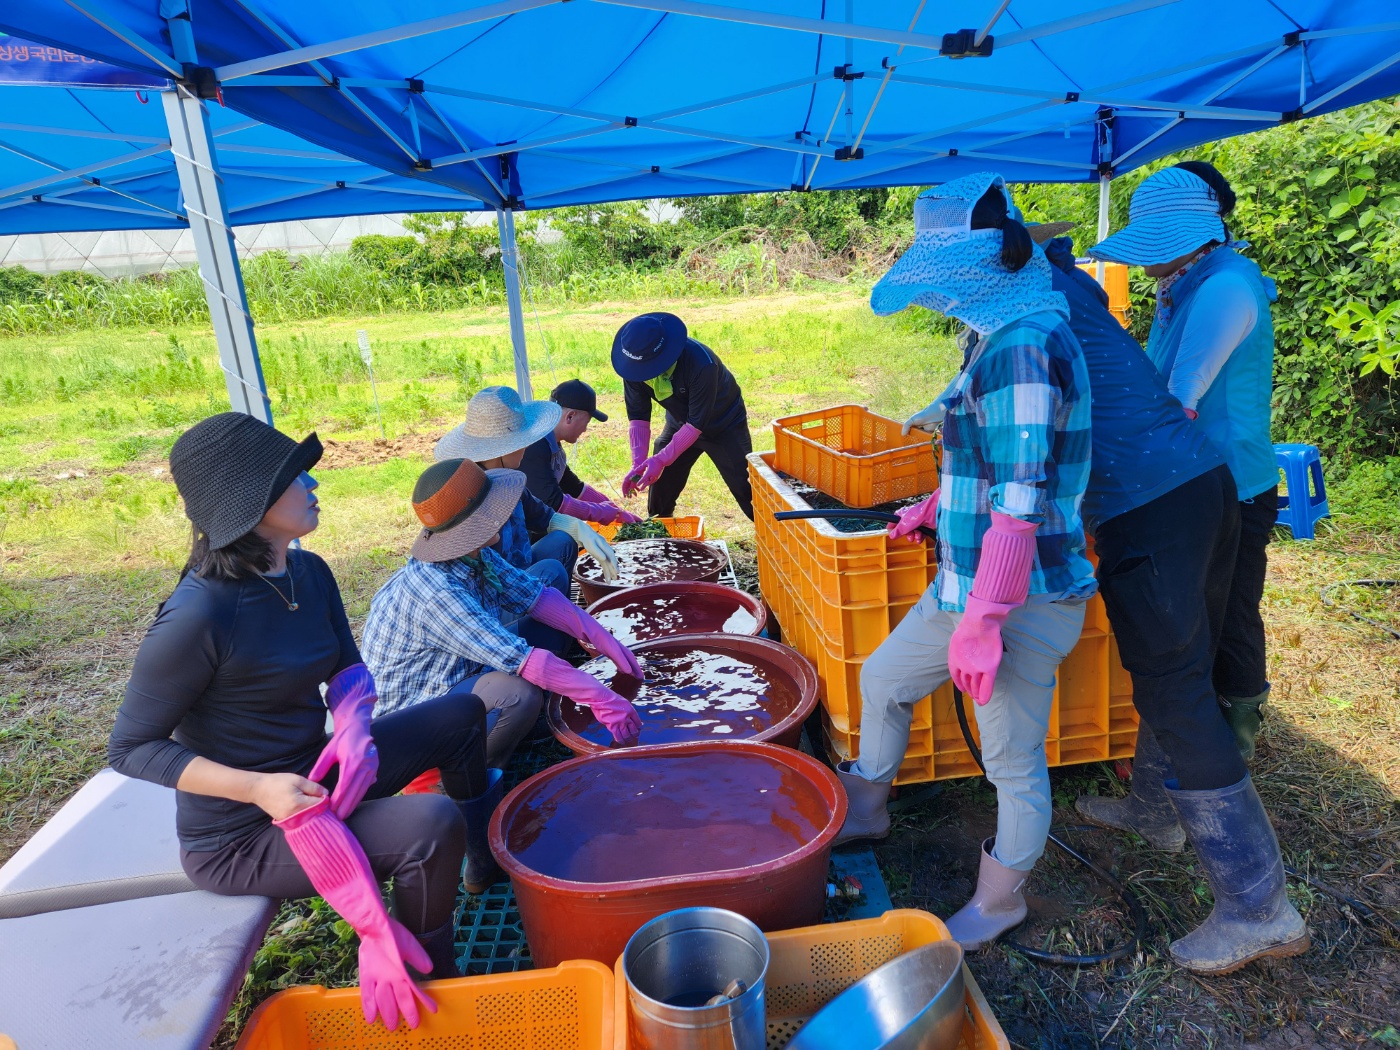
(538, 103)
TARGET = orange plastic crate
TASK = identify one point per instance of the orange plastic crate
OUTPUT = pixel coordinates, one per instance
(1115, 283)
(689, 528)
(854, 455)
(836, 607)
(809, 967)
(569, 1007)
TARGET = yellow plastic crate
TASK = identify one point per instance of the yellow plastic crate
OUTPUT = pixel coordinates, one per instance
(811, 966)
(850, 453)
(685, 528)
(1115, 283)
(569, 1007)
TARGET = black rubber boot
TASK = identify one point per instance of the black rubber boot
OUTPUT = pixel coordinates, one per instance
(480, 870)
(1146, 810)
(1236, 844)
(1245, 714)
(440, 944)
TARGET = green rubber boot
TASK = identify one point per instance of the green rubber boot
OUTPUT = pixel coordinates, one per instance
(1245, 714)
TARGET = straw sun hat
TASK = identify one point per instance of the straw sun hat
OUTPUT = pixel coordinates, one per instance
(462, 507)
(497, 424)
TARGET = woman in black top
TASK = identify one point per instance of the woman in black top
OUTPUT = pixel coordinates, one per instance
(704, 408)
(224, 702)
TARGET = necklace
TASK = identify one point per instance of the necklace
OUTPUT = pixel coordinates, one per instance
(292, 580)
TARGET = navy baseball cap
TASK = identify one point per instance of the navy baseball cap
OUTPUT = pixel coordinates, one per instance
(648, 345)
(578, 395)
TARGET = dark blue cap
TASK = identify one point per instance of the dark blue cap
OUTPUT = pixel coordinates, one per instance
(648, 345)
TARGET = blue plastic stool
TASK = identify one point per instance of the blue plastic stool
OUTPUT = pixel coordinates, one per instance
(1304, 504)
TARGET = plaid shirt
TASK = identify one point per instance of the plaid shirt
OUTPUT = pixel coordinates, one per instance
(435, 624)
(1016, 441)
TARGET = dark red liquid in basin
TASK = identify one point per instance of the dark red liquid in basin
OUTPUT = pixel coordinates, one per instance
(648, 818)
(692, 694)
(663, 615)
(652, 561)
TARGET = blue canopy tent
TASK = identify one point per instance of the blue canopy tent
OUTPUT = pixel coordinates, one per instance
(538, 103)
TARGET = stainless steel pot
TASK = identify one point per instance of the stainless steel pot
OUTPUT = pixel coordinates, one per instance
(678, 963)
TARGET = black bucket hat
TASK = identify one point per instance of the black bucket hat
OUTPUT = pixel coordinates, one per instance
(231, 468)
(648, 345)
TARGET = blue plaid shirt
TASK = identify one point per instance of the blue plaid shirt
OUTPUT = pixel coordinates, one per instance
(435, 624)
(1016, 441)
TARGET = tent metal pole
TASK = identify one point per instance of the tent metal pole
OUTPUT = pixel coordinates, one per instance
(510, 259)
(201, 186)
(1105, 199)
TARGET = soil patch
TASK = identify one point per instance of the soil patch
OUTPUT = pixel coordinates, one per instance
(340, 454)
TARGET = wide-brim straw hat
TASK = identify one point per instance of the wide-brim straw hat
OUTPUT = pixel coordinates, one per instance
(1047, 231)
(462, 507)
(497, 424)
(1173, 212)
(231, 468)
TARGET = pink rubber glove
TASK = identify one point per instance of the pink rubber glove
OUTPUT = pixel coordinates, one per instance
(602, 513)
(544, 669)
(911, 518)
(644, 476)
(335, 862)
(1001, 585)
(552, 609)
(351, 696)
(592, 495)
(639, 439)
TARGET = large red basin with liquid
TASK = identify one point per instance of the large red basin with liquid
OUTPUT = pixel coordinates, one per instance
(649, 561)
(598, 845)
(661, 610)
(700, 687)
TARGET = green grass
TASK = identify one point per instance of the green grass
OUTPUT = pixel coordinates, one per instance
(91, 538)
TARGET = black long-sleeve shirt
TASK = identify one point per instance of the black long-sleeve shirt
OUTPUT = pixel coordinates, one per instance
(704, 394)
(544, 477)
(227, 672)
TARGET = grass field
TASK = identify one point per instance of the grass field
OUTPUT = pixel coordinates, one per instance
(91, 537)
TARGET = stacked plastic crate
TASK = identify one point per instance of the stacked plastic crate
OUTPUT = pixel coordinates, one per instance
(837, 595)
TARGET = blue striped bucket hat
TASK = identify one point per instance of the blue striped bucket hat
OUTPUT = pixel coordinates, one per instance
(1172, 213)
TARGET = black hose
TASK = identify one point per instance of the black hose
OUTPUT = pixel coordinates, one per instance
(865, 515)
(1327, 601)
(1135, 909)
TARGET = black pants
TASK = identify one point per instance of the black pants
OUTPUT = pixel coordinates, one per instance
(1165, 571)
(416, 840)
(727, 451)
(1240, 668)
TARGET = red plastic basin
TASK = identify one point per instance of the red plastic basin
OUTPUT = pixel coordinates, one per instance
(598, 845)
(662, 610)
(701, 687)
(649, 561)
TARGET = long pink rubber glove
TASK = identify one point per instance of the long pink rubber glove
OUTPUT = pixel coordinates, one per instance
(639, 439)
(552, 609)
(592, 495)
(911, 518)
(351, 696)
(547, 671)
(602, 513)
(644, 476)
(1001, 585)
(335, 862)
